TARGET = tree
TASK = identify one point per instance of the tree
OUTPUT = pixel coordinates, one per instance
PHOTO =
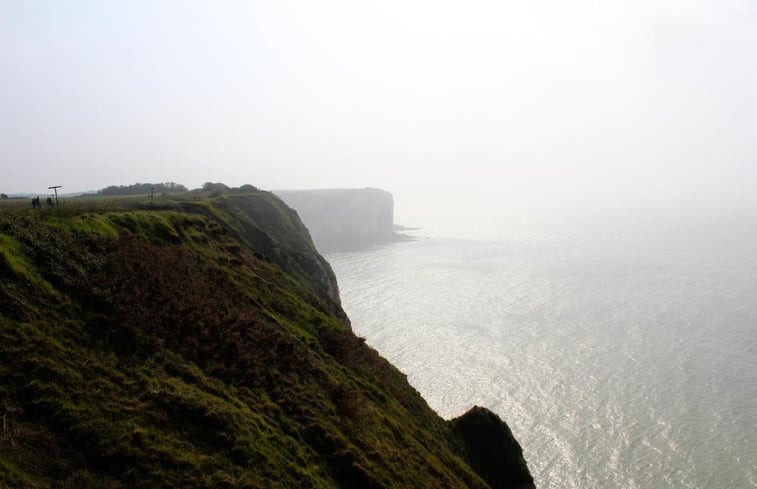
(144, 189)
(3, 196)
(215, 187)
(244, 189)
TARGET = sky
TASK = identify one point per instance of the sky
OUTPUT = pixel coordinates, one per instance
(541, 103)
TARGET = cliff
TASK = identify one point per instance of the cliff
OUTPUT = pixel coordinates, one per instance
(201, 344)
(344, 218)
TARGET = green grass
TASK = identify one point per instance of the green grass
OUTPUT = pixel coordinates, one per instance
(195, 343)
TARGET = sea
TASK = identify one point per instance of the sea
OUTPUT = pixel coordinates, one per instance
(620, 347)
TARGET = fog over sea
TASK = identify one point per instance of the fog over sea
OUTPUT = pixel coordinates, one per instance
(620, 347)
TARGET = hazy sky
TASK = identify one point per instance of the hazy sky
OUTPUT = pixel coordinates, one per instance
(534, 101)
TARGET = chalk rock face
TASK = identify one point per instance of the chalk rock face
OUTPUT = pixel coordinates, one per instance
(491, 449)
(344, 218)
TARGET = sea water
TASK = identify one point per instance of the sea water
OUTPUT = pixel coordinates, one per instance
(620, 348)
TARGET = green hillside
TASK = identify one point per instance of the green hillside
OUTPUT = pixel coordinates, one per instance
(201, 343)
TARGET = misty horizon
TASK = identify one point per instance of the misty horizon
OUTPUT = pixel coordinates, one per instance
(545, 105)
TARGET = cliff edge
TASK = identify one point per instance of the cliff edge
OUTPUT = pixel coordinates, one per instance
(200, 344)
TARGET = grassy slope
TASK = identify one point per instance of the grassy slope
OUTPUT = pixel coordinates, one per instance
(196, 345)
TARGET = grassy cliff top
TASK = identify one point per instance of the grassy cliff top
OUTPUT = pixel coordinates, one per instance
(199, 342)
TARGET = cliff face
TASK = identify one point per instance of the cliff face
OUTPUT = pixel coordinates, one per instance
(344, 218)
(202, 345)
(265, 224)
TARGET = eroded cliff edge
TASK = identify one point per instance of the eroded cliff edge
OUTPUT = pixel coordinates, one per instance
(340, 219)
(201, 344)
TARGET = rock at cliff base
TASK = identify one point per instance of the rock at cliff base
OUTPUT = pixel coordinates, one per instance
(492, 450)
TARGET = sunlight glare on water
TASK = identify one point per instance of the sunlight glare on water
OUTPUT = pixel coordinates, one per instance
(622, 353)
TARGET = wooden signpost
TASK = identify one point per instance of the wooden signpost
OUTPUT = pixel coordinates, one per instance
(55, 188)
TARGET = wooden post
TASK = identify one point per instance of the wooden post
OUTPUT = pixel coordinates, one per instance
(57, 204)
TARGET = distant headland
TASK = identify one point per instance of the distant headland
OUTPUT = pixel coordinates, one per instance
(340, 219)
